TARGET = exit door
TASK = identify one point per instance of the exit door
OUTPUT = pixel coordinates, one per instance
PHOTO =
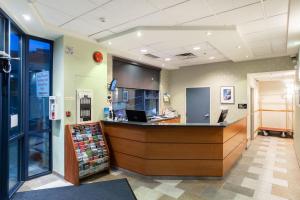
(198, 105)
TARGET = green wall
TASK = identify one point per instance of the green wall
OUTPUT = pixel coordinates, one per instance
(72, 72)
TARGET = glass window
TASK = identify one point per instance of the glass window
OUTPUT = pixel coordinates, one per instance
(39, 64)
(2, 34)
(135, 99)
(39, 85)
(13, 164)
(15, 81)
(38, 153)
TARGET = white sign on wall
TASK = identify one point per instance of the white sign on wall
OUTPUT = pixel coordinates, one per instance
(42, 84)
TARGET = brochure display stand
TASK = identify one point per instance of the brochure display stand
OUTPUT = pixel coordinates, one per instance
(86, 151)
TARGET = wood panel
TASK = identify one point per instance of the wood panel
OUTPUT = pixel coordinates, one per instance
(177, 150)
(169, 167)
(71, 162)
(165, 134)
(233, 129)
(173, 120)
(233, 157)
(166, 150)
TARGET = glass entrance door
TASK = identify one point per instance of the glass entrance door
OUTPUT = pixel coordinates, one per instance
(16, 135)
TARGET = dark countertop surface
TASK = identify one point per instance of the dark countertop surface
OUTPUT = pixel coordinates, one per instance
(153, 124)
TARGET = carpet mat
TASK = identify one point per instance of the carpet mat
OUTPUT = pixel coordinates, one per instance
(107, 190)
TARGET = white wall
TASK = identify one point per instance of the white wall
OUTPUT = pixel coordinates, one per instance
(72, 72)
(297, 114)
(221, 74)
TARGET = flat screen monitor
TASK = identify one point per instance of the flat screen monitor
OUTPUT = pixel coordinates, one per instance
(113, 85)
(136, 115)
(223, 116)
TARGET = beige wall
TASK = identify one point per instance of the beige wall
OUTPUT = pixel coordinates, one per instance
(163, 88)
(297, 115)
(72, 72)
(220, 74)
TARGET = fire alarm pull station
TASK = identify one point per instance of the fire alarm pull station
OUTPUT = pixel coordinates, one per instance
(54, 108)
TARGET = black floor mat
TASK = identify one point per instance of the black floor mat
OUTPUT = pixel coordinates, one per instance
(108, 190)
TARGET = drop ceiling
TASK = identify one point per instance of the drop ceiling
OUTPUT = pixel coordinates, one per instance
(241, 29)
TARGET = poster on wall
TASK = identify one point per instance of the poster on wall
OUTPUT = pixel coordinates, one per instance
(42, 84)
(84, 105)
(227, 95)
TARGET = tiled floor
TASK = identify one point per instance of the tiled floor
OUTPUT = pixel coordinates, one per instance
(267, 170)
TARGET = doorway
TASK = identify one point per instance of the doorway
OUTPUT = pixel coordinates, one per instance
(198, 105)
(25, 136)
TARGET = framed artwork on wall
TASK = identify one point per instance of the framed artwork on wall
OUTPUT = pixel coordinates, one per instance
(227, 95)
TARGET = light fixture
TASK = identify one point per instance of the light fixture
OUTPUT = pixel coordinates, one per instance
(109, 43)
(196, 48)
(167, 59)
(144, 50)
(26, 17)
(239, 47)
(139, 34)
(208, 33)
(211, 58)
(247, 56)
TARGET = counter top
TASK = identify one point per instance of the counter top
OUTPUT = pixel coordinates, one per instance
(153, 124)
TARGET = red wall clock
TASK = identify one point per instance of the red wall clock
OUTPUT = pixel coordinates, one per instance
(98, 57)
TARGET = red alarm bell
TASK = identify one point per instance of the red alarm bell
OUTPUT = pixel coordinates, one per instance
(98, 57)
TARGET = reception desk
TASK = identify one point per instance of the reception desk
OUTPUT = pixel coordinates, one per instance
(175, 149)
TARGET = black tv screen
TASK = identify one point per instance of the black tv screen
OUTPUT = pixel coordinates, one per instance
(113, 85)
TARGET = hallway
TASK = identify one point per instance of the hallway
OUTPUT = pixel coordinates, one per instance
(267, 170)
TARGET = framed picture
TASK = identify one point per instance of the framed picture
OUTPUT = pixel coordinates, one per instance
(227, 94)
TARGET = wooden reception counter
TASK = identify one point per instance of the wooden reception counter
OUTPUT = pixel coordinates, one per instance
(164, 149)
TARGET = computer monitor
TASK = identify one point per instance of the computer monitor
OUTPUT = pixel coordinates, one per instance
(136, 115)
(223, 116)
(113, 85)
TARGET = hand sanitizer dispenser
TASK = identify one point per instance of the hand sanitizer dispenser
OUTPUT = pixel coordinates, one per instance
(54, 108)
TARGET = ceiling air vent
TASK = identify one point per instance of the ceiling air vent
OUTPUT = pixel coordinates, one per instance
(151, 55)
(185, 56)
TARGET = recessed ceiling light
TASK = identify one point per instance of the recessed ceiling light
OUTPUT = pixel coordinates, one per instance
(211, 58)
(26, 17)
(139, 34)
(208, 33)
(109, 43)
(167, 59)
(144, 50)
(239, 47)
(196, 48)
(247, 56)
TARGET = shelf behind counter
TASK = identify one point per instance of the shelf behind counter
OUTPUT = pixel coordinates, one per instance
(176, 149)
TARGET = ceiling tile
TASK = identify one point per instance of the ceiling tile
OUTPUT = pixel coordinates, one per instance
(165, 3)
(276, 7)
(159, 18)
(99, 2)
(51, 15)
(81, 26)
(188, 11)
(225, 5)
(102, 34)
(118, 12)
(69, 7)
(213, 20)
(242, 15)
